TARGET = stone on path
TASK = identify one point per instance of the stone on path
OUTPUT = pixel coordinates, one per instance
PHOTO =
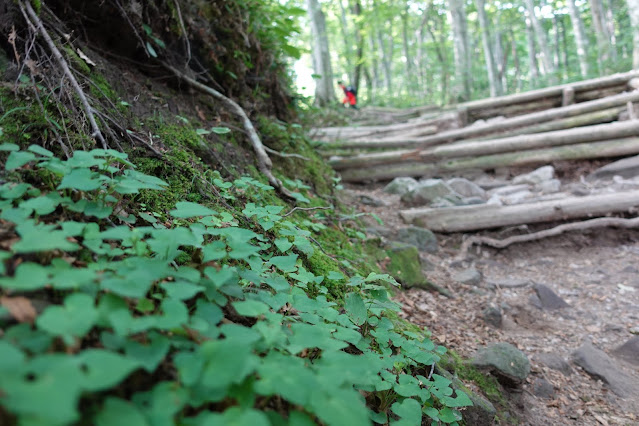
(421, 238)
(492, 315)
(549, 186)
(627, 168)
(598, 364)
(542, 388)
(400, 185)
(372, 201)
(428, 190)
(555, 362)
(469, 276)
(629, 351)
(548, 299)
(505, 360)
(537, 176)
(466, 188)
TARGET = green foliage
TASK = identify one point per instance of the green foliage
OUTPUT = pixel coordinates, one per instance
(220, 315)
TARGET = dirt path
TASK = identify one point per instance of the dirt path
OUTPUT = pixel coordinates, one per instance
(595, 273)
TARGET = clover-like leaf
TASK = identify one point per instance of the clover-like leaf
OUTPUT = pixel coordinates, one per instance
(74, 319)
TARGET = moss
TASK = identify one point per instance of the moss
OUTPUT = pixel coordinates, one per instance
(76, 61)
(486, 382)
(405, 266)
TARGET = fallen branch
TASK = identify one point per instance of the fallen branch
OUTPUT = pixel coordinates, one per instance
(306, 209)
(65, 68)
(284, 155)
(602, 222)
(264, 163)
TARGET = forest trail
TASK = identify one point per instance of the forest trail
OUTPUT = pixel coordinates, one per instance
(568, 302)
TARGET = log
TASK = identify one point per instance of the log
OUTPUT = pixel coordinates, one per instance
(517, 109)
(495, 146)
(568, 96)
(529, 119)
(599, 93)
(533, 95)
(604, 149)
(483, 216)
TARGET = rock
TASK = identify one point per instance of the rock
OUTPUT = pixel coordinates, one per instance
(372, 201)
(630, 270)
(536, 176)
(543, 389)
(506, 190)
(421, 238)
(629, 351)
(554, 362)
(509, 283)
(599, 365)
(379, 231)
(627, 168)
(428, 190)
(549, 186)
(548, 299)
(506, 361)
(405, 266)
(492, 316)
(466, 188)
(444, 202)
(516, 197)
(400, 185)
(482, 412)
(469, 276)
(495, 200)
(468, 201)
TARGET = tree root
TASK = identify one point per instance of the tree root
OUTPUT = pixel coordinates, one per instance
(37, 23)
(602, 222)
(264, 163)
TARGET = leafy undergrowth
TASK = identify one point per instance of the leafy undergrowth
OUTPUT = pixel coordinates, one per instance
(207, 317)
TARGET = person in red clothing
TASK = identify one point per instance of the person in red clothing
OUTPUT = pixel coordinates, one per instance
(350, 95)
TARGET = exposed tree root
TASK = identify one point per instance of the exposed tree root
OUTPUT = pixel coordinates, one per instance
(602, 222)
(37, 23)
(264, 163)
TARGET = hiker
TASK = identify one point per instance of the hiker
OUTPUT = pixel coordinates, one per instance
(350, 95)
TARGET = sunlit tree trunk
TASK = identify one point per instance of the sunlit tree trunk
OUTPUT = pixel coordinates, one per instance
(348, 47)
(633, 12)
(516, 65)
(461, 49)
(359, 40)
(580, 37)
(324, 89)
(601, 32)
(386, 58)
(532, 53)
(410, 75)
(546, 58)
(374, 61)
(491, 68)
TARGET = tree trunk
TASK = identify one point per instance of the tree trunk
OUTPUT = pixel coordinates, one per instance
(387, 64)
(493, 76)
(324, 90)
(461, 49)
(601, 32)
(359, 40)
(548, 68)
(633, 12)
(472, 218)
(410, 75)
(348, 47)
(532, 53)
(605, 149)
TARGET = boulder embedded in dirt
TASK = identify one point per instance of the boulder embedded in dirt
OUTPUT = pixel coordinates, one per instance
(599, 365)
(517, 197)
(627, 168)
(629, 351)
(549, 186)
(367, 200)
(536, 176)
(543, 389)
(470, 201)
(400, 185)
(505, 360)
(405, 266)
(492, 316)
(482, 412)
(555, 362)
(548, 299)
(466, 188)
(428, 190)
(421, 238)
(469, 276)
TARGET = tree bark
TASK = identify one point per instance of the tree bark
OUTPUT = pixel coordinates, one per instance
(633, 13)
(493, 76)
(359, 41)
(580, 37)
(348, 47)
(603, 149)
(324, 89)
(461, 49)
(602, 34)
(472, 218)
(548, 68)
(533, 69)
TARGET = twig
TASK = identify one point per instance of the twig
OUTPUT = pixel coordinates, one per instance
(65, 68)
(306, 209)
(602, 222)
(264, 163)
(432, 369)
(186, 36)
(281, 154)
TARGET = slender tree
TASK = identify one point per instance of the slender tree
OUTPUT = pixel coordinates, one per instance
(457, 9)
(633, 12)
(548, 67)
(324, 89)
(491, 68)
(580, 37)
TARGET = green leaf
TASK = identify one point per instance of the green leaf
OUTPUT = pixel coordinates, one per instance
(285, 263)
(355, 308)
(41, 237)
(9, 147)
(74, 319)
(409, 410)
(250, 308)
(151, 50)
(222, 370)
(82, 180)
(220, 130)
(283, 244)
(187, 209)
(18, 159)
(37, 149)
(214, 251)
(296, 385)
(42, 205)
(181, 290)
(117, 412)
(149, 355)
(461, 400)
(28, 276)
(447, 415)
(105, 369)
